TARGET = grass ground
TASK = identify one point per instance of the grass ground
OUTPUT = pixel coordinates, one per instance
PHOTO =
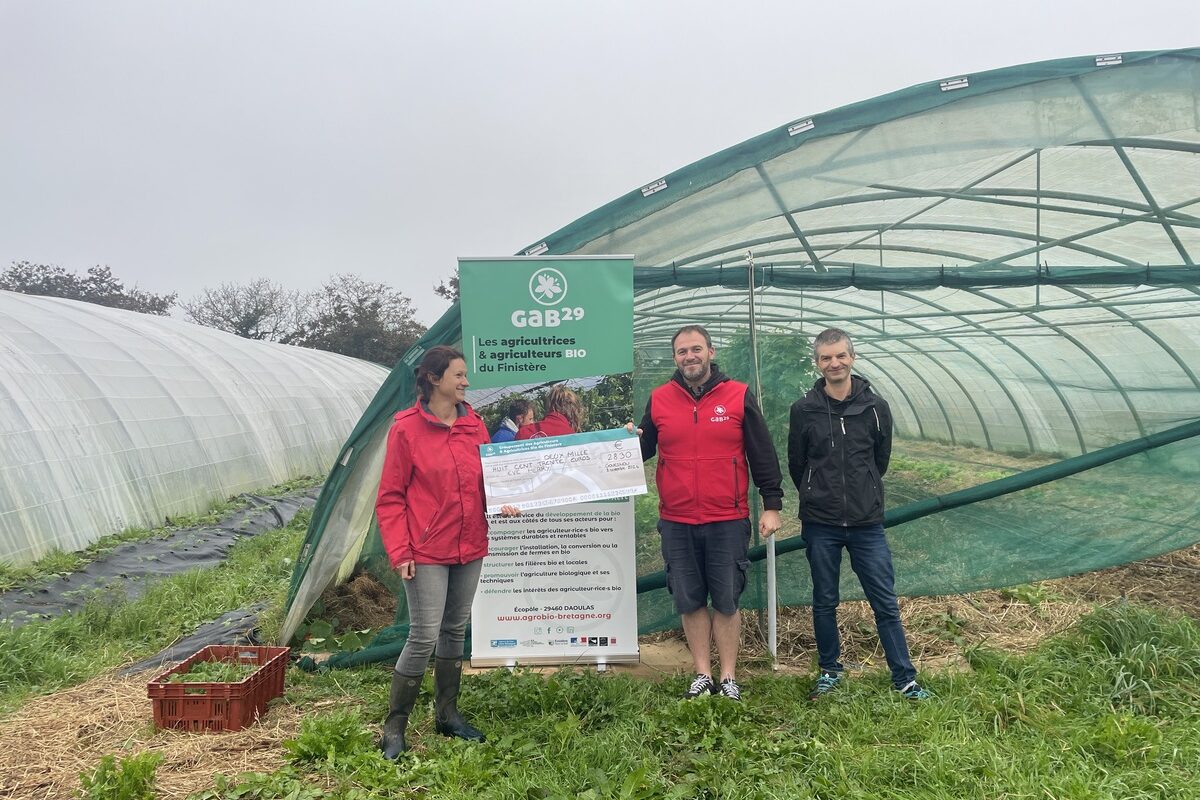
(1107, 709)
(1071, 703)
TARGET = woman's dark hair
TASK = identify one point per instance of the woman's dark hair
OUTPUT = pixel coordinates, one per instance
(518, 408)
(433, 367)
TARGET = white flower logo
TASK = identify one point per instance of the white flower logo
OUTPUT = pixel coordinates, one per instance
(548, 286)
(720, 409)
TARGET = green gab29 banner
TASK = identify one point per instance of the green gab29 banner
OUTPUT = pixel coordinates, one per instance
(528, 319)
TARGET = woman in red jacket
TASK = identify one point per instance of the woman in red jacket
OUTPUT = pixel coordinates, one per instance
(431, 519)
(564, 415)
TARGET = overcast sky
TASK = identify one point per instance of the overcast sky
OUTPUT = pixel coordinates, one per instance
(185, 144)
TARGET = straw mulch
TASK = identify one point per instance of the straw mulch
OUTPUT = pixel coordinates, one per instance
(1171, 580)
(360, 603)
(938, 630)
(46, 743)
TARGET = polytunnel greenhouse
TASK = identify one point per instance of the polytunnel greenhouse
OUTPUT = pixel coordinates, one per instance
(111, 419)
(1013, 253)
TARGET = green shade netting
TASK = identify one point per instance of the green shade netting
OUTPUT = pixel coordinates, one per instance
(1015, 262)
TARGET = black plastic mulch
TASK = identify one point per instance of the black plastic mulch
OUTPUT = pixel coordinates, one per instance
(129, 568)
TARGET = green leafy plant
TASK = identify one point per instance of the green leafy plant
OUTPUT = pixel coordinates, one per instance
(1032, 595)
(326, 737)
(321, 636)
(130, 779)
(922, 471)
(285, 783)
(215, 672)
(1126, 738)
(315, 635)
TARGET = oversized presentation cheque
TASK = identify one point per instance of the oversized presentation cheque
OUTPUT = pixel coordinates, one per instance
(559, 470)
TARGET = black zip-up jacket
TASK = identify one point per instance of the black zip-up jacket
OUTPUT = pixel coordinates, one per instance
(756, 445)
(838, 452)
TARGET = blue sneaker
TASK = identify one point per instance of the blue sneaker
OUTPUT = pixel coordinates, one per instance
(825, 684)
(913, 691)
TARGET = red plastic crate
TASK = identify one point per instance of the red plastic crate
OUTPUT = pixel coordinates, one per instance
(219, 706)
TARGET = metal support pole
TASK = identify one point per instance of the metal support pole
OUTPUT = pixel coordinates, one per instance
(1037, 231)
(881, 308)
(772, 601)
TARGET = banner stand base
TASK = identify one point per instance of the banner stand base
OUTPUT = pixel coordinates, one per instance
(601, 662)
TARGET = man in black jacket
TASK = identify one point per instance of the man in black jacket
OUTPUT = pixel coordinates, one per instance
(839, 445)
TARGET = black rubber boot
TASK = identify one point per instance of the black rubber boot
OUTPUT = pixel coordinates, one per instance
(405, 689)
(447, 678)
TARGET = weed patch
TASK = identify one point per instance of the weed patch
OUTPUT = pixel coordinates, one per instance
(130, 779)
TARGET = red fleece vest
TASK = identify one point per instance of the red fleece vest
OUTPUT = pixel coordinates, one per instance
(702, 474)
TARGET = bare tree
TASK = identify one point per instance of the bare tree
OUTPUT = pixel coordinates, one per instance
(256, 310)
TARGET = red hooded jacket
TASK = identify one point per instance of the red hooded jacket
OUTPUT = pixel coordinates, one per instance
(430, 505)
(555, 424)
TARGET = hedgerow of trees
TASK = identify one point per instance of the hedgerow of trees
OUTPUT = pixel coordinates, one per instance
(347, 315)
(356, 317)
(97, 285)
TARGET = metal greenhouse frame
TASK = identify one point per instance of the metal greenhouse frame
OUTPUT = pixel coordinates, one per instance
(1014, 254)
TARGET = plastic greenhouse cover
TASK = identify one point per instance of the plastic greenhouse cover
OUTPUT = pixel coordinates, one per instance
(111, 419)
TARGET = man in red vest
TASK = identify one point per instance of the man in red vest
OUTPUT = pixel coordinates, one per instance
(711, 440)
